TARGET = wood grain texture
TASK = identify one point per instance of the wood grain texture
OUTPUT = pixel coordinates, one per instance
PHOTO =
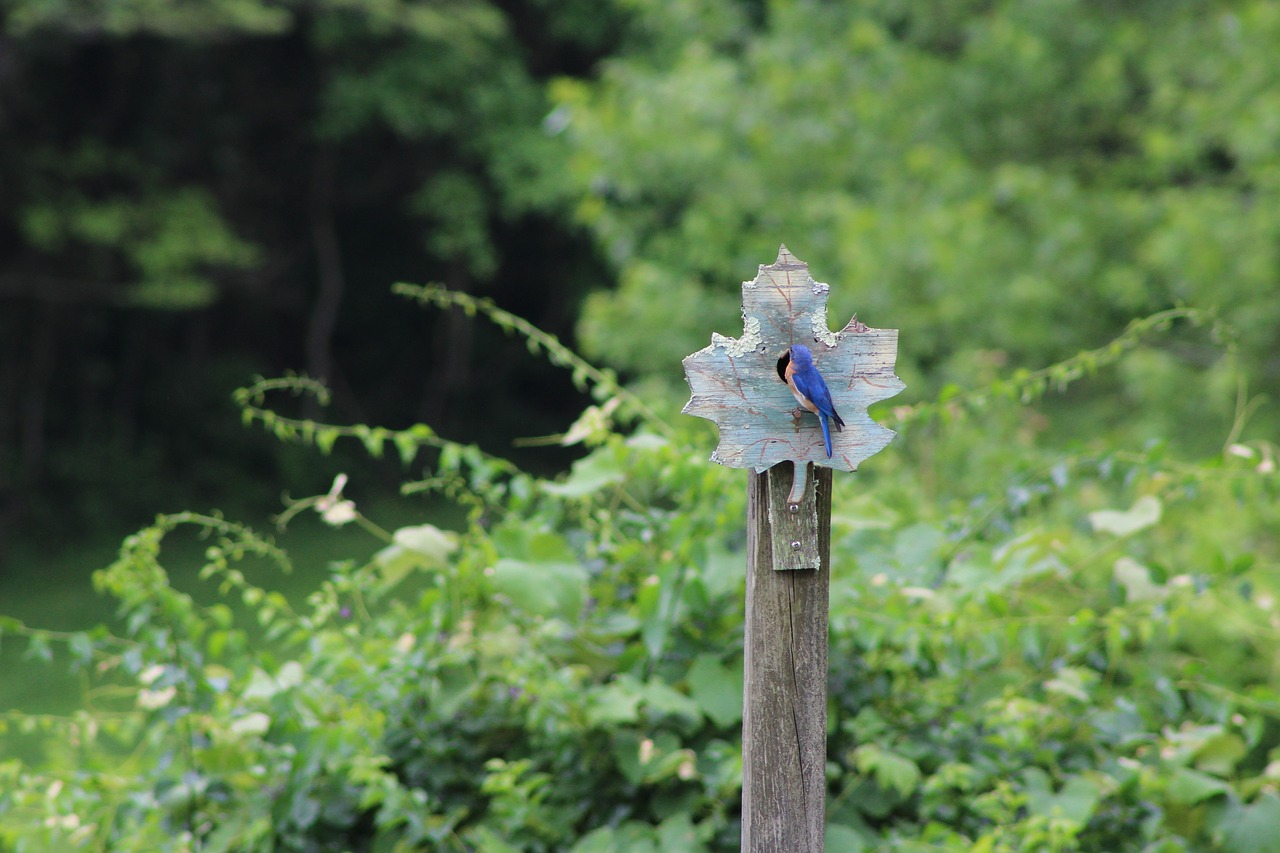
(735, 382)
(795, 534)
(784, 736)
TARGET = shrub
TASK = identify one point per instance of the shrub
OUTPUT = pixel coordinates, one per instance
(1058, 651)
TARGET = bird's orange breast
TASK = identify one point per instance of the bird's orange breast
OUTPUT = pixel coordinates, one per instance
(791, 383)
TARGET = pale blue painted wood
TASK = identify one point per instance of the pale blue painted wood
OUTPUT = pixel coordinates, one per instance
(735, 380)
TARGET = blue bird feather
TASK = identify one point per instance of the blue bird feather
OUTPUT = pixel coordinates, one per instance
(811, 391)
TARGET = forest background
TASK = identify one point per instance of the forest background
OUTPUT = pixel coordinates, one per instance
(1071, 210)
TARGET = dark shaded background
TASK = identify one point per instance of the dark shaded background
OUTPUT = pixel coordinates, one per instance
(183, 210)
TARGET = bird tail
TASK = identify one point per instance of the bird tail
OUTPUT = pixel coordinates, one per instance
(826, 434)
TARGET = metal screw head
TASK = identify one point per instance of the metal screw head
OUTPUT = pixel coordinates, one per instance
(795, 544)
(793, 507)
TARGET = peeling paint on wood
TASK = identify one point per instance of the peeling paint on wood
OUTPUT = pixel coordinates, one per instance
(735, 383)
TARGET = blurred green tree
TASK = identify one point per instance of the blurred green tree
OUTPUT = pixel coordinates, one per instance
(1008, 182)
(198, 191)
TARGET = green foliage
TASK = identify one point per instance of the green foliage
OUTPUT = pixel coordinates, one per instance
(407, 442)
(1031, 648)
(1009, 180)
(128, 17)
(167, 243)
(1056, 652)
(1027, 386)
(251, 168)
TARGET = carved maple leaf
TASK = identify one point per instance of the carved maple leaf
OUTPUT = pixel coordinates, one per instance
(735, 381)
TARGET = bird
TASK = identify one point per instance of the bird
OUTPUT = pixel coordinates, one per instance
(810, 390)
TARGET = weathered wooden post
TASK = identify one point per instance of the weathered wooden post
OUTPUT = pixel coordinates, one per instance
(738, 384)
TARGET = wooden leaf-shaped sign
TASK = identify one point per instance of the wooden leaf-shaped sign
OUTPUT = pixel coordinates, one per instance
(735, 381)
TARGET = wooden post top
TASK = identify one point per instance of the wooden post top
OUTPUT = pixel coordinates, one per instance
(735, 381)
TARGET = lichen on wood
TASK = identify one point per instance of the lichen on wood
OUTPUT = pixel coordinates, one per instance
(735, 383)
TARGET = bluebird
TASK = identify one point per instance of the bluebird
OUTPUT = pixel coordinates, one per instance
(810, 390)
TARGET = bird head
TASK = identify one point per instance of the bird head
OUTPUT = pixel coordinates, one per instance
(800, 356)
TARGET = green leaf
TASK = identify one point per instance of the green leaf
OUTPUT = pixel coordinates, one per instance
(723, 572)
(1121, 722)
(544, 589)
(892, 771)
(374, 439)
(677, 834)
(548, 546)
(453, 685)
(1074, 682)
(862, 512)
(38, 648)
(844, 839)
(597, 841)
(626, 745)
(616, 703)
(717, 689)
(1188, 787)
(1075, 801)
(428, 540)
(407, 445)
(1144, 513)
(396, 562)
(1137, 583)
(1220, 754)
(653, 604)
(1254, 828)
(81, 648)
(589, 475)
(251, 725)
(325, 438)
(262, 685)
(661, 698)
(659, 607)
(632, 837)
(485, 840)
